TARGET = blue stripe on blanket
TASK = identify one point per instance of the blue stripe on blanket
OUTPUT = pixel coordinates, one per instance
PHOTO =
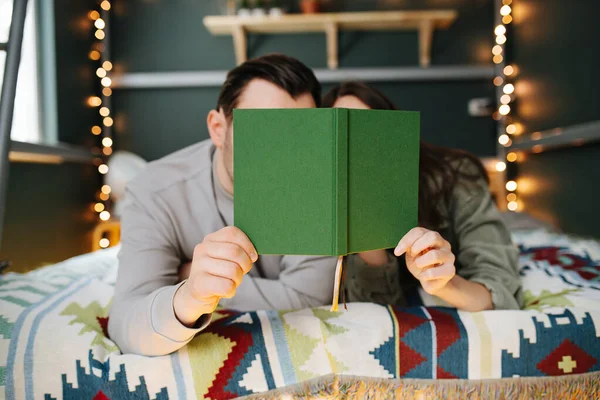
(9, 390)
(28, 358)
(283, 353)
(181, 393)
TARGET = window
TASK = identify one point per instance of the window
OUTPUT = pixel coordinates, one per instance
(26, 125)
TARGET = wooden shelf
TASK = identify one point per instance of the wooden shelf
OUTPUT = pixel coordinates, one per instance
(424, 22)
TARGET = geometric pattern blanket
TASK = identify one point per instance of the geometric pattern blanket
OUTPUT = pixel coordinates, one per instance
(53, 340)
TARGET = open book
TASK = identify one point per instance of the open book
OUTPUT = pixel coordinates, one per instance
(325, 181)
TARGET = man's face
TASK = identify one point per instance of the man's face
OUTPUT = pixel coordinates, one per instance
(261, 94)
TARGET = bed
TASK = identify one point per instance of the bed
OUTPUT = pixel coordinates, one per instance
(54, 343)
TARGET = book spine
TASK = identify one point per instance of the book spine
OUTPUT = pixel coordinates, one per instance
(341, 181)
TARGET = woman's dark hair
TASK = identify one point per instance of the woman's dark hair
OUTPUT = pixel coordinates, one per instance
(285, 72)
(439, 168)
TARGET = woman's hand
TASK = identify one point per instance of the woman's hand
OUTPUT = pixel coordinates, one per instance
(374, 258)
(428, 257)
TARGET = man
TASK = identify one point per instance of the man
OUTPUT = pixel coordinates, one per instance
(180, 211)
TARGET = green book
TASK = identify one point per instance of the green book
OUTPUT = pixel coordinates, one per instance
(327, 181)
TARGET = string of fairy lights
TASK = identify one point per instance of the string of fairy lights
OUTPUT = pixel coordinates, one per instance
(505, 92)
(99, 54)
(503, 81)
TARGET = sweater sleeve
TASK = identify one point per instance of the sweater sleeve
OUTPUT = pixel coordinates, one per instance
(304, 281)
(374, 284)
(142, 318)
(485, 252)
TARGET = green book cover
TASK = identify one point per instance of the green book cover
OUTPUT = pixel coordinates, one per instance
(325, 181)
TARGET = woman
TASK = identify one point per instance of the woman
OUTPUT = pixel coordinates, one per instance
(461, 252)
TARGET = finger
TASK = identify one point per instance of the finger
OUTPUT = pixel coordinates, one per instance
(430, 239)
(207, 286)
(229, 252)
(445, 271)
(433, 258)
(408, 240)
(224, 269)
(234, 235)
(199, 287)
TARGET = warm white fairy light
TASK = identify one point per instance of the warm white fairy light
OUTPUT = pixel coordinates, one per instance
(99, 23)
(509, 88)
(511, 186)
(94, 101)
(97, 52)
(511, 197)
(511, 129)
(512, 205)
(104, 215)
(505, 89)
(104, 243)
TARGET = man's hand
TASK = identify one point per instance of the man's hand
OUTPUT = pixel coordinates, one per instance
(218, 265)
(428, 257)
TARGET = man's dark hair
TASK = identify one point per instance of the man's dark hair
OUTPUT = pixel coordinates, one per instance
(285, 72)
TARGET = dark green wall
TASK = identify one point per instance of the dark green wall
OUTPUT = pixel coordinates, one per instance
(164, 36)
(47, 213)
(76, 74)
(47, 205)
(557, 52)
(560, 187)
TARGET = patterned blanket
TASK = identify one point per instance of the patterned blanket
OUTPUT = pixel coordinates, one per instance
(53, 341)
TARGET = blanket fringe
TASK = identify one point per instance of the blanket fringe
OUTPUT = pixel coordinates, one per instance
(580, 386)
